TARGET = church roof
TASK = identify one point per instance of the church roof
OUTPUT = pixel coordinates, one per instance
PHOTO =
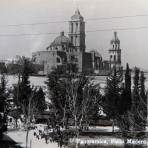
(77, 15)
(60, 40)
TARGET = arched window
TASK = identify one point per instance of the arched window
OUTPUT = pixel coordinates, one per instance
(114, 58)
(71, 27)
(72, 39)
(116, 46)
(119, 59)
(58, 60)
(76, 27)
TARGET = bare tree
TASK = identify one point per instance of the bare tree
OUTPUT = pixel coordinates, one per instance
(84, 99)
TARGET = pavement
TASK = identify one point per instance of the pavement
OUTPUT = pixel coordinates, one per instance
(19, 136)
(7, 142)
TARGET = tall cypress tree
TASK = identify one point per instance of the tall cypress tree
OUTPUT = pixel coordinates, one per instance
(3, 94)
(142, 86)
(139, 114)
(57, 90)
(128, 79)
(125, 102)
(143, 100)
(22, 91)
(3, 105)
(25, 88)
(136, 87)
(112, 94)
(40, 100)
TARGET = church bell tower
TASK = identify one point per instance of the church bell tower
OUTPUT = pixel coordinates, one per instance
(115, 53)
(77, 31)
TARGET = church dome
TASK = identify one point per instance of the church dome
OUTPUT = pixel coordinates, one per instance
(60, 40)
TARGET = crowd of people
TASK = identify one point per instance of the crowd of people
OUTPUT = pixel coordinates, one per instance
(41, 131)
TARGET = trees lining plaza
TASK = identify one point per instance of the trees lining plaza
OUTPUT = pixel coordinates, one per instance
(75, 101)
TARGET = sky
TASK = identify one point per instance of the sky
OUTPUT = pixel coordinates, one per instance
(16, 40)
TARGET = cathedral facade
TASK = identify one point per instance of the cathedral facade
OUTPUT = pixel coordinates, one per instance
(69, 53)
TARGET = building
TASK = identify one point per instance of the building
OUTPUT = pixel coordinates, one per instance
(69, 53)
(50, 60)
(115, 53)
(77, 31)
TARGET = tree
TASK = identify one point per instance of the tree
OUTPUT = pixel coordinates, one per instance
(136, 87)
(142, 87)
(138, 113)
(72, 97)
(143, 101)
(141, 108)
(13, 68)
(125, 99)
(16, 113)
(127, 90)
(125, 103)
(3, 95)
(3, 68)
(57, 84)
(3, 105)
(17, 66)
(135, 100)
(59, 110)
(112, 95)
(39, 98)
(24, 95)
(90, 104)
(77, 104)
(25, 88)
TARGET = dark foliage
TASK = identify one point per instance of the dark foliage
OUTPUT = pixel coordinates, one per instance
(112, 94)
(3, 105)
(3, 68)
(24, 94)
(74, 102)
(39, 98)
(18, 66)
(126, 98)
(139, 102)
(56, 94)
(3, 94)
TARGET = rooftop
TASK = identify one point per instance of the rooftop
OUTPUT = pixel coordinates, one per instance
(60, 40)
(77, 15)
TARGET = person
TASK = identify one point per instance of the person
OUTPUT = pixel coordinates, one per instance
(36, 133)
(46, 139)
(1, 125)
(4, 127)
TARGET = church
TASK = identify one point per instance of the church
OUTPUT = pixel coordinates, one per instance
(69, 53)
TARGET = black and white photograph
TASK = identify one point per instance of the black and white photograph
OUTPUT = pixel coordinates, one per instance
(73, 73)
